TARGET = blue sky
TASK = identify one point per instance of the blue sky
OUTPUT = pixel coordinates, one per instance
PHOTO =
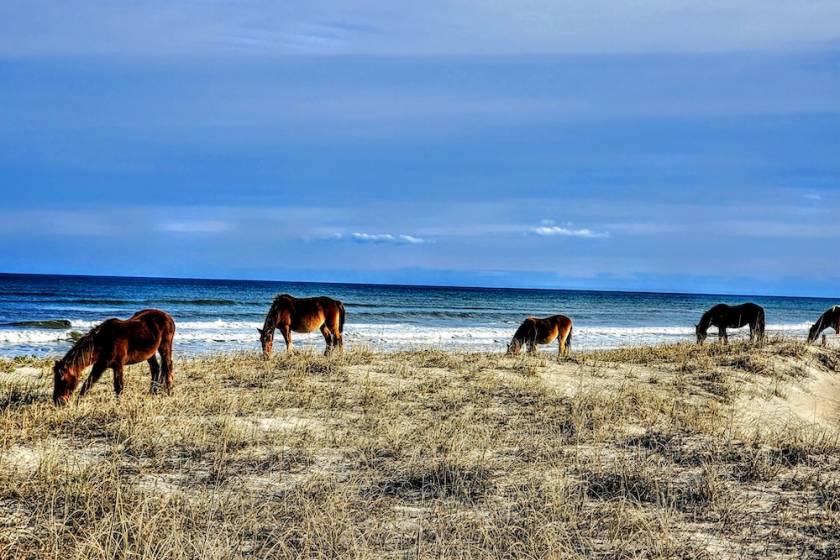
(685, 146)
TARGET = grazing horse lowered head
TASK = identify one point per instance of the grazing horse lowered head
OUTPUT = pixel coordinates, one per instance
(115, 344)
(303, 315)
(828, 320)
(725, 316)
(535, 331)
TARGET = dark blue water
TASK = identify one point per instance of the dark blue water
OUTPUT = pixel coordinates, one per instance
(222, 315)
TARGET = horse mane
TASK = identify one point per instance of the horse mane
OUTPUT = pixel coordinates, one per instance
(283, 298)
(525, 331)
(827, 319)
(271, 317)
(84, 351)
(706, 319)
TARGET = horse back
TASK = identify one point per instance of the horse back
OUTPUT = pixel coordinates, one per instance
(551, 328)
(563, 326)
(563, 323)
(308, 314)
(736, 316)
(138, 337)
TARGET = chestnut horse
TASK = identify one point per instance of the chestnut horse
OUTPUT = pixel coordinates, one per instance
(115, 344)
(828, 320)
(725, 316)
(535, 331)
(303, 315)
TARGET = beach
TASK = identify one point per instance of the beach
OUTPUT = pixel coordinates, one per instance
(665, 451)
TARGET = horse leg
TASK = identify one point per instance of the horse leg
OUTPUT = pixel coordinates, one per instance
(722, 334)
(118, 379)
(286, 331)
(337, 339)
(566, 348)
(154, 366)
(756, 334)
(167, 375)
(95, 373)
(328, 338)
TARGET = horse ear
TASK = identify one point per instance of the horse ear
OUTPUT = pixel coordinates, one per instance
(259, 330)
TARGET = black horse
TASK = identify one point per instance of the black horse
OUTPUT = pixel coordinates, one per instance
(732, 316)
(828, 320)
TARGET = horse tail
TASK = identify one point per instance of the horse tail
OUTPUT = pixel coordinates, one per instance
(759, 326)
(569, 339)
(340, 318)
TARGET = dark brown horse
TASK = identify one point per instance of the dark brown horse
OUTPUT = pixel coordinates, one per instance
(535, 331)
(303, 315)
(725, 317)
(115, 344)
(828, 320)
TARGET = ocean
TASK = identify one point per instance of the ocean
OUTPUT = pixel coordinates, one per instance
(39, 313)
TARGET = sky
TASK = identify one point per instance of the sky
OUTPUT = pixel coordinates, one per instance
(643, 145)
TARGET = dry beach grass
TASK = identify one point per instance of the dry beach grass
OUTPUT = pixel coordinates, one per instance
(663, 452)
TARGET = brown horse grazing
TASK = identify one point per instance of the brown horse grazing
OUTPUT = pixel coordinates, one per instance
(115, 344)
(303, 315)
(535, 331)
(731, 316)
(828, 320)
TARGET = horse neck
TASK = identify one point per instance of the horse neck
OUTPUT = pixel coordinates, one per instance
(271, 318)
(81, 357)
(829, 319)
(705, 320)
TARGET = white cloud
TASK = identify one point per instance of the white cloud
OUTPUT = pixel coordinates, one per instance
(570, 232)
(200, 226)
(387, 238)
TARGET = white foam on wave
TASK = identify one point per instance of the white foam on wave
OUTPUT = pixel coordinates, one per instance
(32, 336)
(207, 335)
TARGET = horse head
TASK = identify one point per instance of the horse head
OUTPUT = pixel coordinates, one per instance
(514, 347)
(814, 331)
(65, 379)
(266, 341)
(700, 332)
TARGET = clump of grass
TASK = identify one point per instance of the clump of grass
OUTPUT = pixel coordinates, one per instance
(757, 464)
(830, 360)
(16, 395)
(753, 363)
(706, 494)
(437, 479)
(828, 495)
(625, 485)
